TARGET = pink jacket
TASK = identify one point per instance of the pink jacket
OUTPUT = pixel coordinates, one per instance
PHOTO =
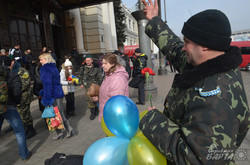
(112, 85)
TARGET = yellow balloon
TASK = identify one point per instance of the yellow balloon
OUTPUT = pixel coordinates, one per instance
(142, 152)
(139, 133)
(143, 113)
(105, 129)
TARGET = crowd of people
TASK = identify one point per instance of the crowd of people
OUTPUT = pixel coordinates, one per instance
(205, 110)
(51, 84)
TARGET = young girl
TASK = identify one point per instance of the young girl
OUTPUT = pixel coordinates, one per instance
(66, 76)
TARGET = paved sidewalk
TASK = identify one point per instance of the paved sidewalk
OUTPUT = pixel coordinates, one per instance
(87, 131)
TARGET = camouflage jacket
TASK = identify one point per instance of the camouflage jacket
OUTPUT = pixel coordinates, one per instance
(27, 95)
(89, 75)
(206, 115)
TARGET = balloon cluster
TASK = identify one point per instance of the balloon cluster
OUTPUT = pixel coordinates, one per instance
(125, 144)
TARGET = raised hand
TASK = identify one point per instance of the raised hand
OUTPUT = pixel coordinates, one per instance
(150, 10)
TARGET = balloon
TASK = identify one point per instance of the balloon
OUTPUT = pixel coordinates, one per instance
(143, 113)
(105, 129)
(121, 116)
(142, 152)
(139, 133)
(108, 150)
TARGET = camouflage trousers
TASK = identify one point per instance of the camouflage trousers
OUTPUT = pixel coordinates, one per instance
(91, 104)
(24, 111)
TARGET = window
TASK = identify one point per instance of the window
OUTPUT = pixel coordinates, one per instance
(245, 50)
(133, 25)
(27, 33)
(129, 24)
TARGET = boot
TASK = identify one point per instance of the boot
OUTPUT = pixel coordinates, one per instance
(30, 132)
(92, 116)
(70, 132)
(57, 134)
(96, 111)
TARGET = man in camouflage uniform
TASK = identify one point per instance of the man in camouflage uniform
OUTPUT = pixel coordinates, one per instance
(89, 74)
(27, 97)
(206, 115)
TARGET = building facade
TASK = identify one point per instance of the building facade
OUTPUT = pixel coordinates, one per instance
(131, 28)
(243, 35)
(95, 28)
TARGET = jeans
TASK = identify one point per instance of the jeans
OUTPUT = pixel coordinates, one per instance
(14, 119)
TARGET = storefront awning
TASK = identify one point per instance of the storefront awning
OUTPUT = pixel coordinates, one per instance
(71, 4)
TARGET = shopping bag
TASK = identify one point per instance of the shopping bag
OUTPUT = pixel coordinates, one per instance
(48, 112)
(55, 122)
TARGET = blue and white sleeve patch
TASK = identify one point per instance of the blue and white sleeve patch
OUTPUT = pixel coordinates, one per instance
(208, 93)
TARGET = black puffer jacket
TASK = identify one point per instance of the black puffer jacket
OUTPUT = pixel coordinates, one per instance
(139, 63)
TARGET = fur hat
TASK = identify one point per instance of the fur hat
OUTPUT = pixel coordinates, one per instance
(209, 28)
(67, 63)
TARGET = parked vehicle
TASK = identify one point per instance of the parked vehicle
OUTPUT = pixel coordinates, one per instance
(245, 52)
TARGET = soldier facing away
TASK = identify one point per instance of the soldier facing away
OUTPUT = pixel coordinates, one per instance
(23, 107)
(206, 111)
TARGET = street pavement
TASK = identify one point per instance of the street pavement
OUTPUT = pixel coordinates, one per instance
(88, 131)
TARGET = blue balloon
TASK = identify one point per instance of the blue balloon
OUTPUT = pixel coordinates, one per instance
(121, 116)
(108, 150)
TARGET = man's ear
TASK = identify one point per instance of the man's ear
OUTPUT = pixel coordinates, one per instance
(205, 48)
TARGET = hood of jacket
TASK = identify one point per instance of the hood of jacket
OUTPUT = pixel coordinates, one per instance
(120, 71)
(223, 63)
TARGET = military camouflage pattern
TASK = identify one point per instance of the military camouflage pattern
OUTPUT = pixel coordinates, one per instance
(91, 103)
(27, 97)
(89, 75)
(196, 128)
(3, 91)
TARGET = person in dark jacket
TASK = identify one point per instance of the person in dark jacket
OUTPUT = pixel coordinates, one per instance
(139, 62)
(31, 63)
(52, 93)
(206, 113)
(11, 115)
(4, 59)
(38, 86)
(16, 54)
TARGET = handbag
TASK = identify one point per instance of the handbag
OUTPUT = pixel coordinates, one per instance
(65, 89)
(48, 112)
(93, 90)
(55, 123)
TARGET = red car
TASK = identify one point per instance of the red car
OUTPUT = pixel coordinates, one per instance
(245, 52)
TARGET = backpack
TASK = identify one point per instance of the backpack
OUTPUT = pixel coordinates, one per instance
(3, 91)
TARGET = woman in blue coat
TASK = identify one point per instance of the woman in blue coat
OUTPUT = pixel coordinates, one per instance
(52, 93)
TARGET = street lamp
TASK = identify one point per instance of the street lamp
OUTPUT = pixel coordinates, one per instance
(144, 40)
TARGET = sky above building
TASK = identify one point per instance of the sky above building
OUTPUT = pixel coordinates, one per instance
(178, 11)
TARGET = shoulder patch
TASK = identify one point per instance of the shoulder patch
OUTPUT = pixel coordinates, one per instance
(208, 93)
(25, 75)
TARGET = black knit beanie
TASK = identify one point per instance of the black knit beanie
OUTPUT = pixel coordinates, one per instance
(137, 50)
(209, 28)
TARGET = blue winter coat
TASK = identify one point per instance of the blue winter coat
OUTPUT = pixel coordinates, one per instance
(52, 89)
